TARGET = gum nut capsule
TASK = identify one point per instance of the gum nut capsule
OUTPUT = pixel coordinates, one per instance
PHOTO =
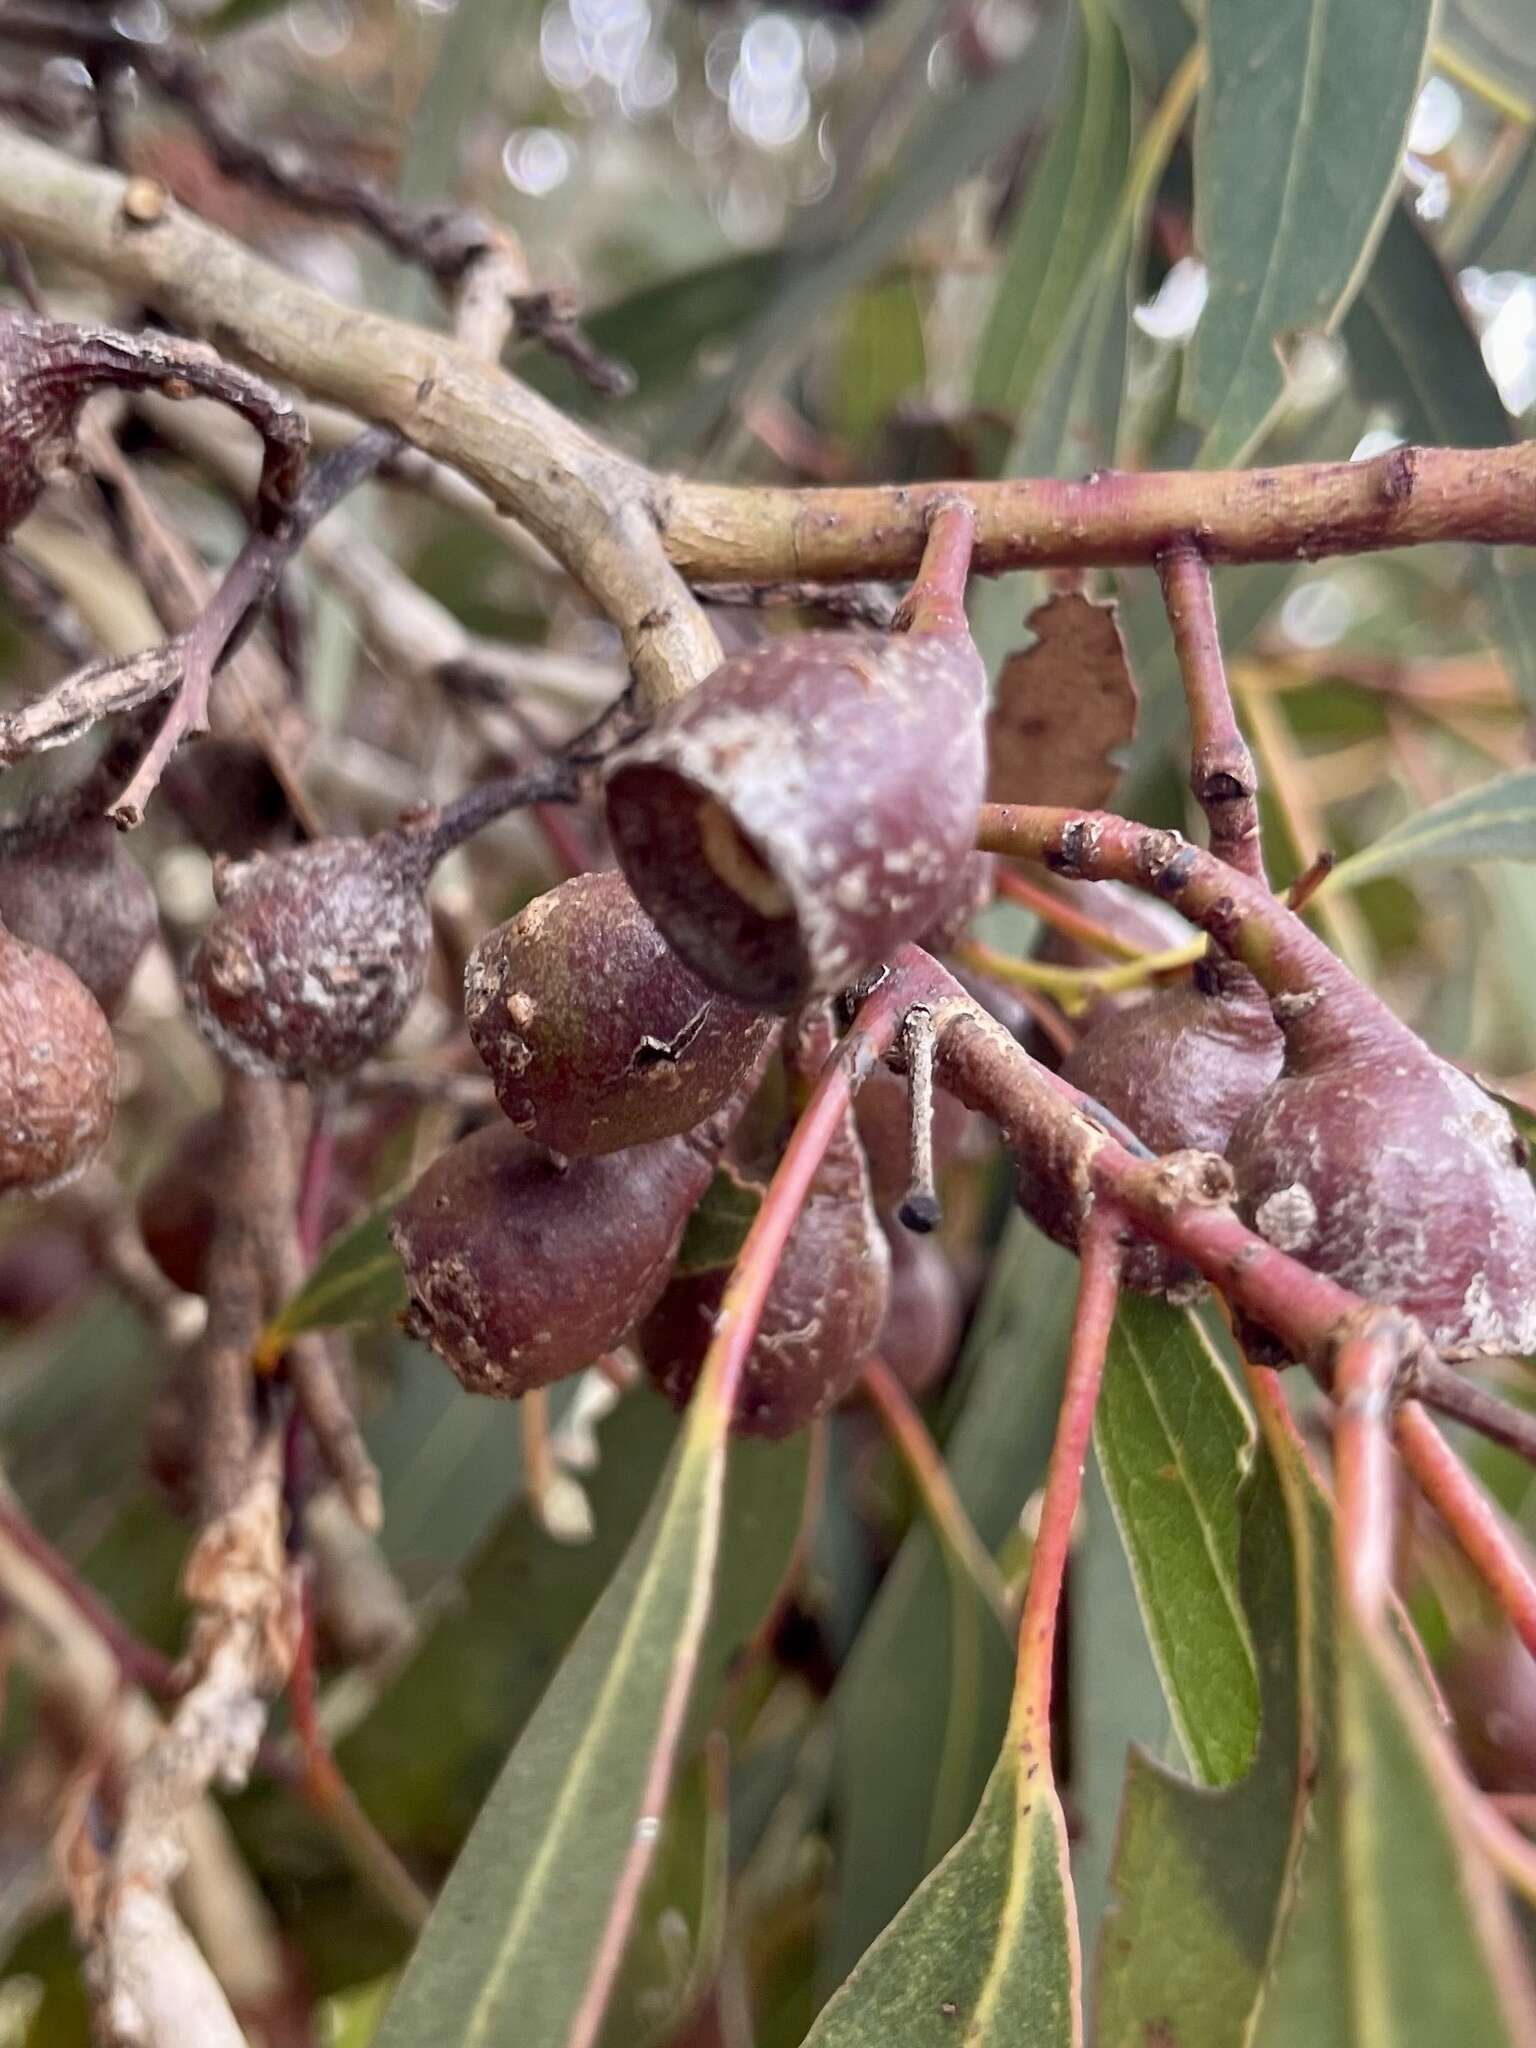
(1379, 1164)
(58, 1071)
(1178, 1069)
(522, 1268)
(71, 887)
(922, 1323)
(824, 1310)
(314, 956)
(593, 1030)
(807, 809)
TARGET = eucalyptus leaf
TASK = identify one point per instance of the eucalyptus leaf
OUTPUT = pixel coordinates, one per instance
(1059, 232)
(1412, 348)
(528, 1930)
(1495, 821)
(1298, 152)
(1173, 1440)
(986, 1949)
(357, 1279)
(1396, 1929)
(917, 1734)
(1198, 1876)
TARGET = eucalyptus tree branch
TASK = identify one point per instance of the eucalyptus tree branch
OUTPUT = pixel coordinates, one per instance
(593, 508)
(631, 538)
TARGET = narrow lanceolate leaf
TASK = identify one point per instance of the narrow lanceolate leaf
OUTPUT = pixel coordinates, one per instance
(529, 1927)
(1060, 228)
(1396, 1931)
(985, 1952)
(357, 1280)
(1495, 821)
(1412, 348)
(1298, 149)
(1495, 35)
(1172, 1442)
(916, 1736)
(1198, 1876)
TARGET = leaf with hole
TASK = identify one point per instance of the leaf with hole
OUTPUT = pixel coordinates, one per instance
(1063, 709)
(1302, 121)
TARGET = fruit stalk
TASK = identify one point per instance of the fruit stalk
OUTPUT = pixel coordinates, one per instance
(1365, 1375)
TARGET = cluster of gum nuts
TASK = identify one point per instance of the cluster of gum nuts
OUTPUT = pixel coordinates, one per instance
(779, 832)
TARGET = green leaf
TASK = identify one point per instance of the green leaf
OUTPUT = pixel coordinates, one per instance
(529, 1928)
(1059, 233)
(1412, 348)
(358, 1280)
(985, 1951)
(1396, 1930)
(1298, 149)
(917, 1734)
(1199, 1875)
(1172, 1441)
(884, 356)
(718, 1227)
(1495, 821)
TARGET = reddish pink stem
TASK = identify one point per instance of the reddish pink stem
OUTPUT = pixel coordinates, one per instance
(1221, 771)
(1363, 1379)
(936, 601)
(1500, 1559)
(1097, 1295)
(911, 980)
(138, 1662)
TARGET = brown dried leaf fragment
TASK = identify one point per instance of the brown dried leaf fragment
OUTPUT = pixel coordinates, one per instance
(1063, 708)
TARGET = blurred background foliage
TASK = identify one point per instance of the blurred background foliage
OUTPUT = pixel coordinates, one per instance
(878, 242)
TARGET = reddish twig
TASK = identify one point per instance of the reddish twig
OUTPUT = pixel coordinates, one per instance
(1449, 1392)
(1495, 1552)
(936, 601)
(1221, 772)
(138, 1662)
(945, 1509)
(328, 1795)
(872, 1034)
(1098, 1294)
(1065, 917)
(1365, 1376)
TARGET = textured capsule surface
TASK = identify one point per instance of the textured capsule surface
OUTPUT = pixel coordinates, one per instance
(1179, 1070)
(595, 1033)
(522, 1268)
(820, 1322)
(1395, 1174)
(313, 957)
(58, 1071)
(807, 809)
(70, 886)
